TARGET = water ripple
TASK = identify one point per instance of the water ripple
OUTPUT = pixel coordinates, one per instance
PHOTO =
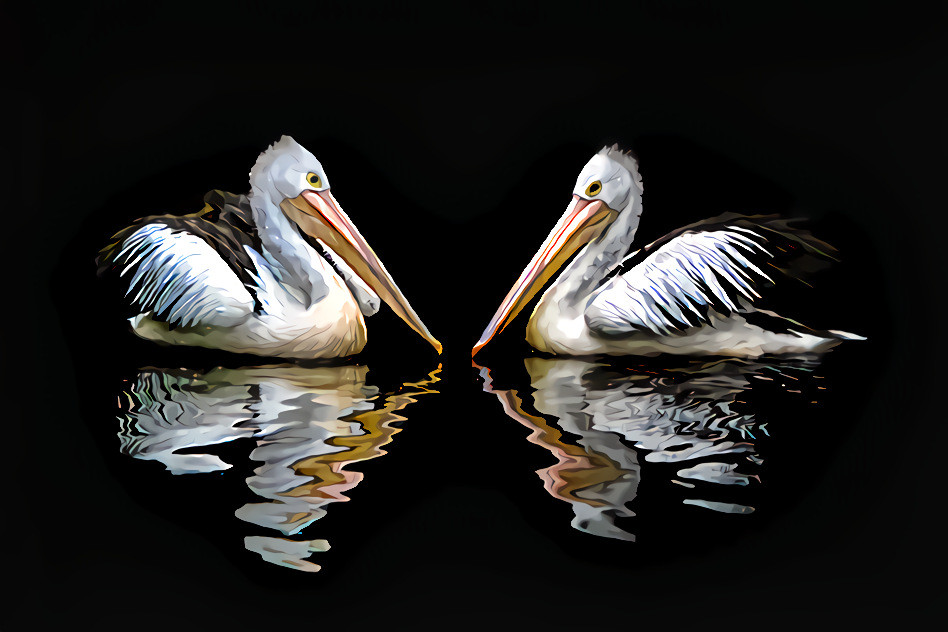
(307, 426)
(609, 425)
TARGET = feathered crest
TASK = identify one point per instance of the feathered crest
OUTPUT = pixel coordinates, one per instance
(627, 160)
(285, 146)
(279, 170)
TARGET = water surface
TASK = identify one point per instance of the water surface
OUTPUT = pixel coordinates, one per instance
(699, 428)
(302, 429)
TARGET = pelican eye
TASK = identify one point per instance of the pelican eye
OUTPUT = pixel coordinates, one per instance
(594, 189)
(314, 180)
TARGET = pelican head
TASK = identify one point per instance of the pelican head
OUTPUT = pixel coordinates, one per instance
(608, 192)
(290, 177)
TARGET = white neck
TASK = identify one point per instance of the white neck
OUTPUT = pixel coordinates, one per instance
(296, 263)
(587, 270)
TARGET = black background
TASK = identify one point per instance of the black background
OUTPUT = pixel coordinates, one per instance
(452, 138)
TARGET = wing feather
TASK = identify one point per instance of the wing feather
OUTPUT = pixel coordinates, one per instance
(180, 278)
(190, 268)
(681, 281)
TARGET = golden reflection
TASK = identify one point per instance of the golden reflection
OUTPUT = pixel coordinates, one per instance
(308, 425)
(604, 424)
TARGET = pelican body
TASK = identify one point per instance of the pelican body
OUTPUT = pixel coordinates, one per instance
(281, 271)
(692, 292)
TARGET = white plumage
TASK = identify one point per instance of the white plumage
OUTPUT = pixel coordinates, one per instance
(279, 272)
(696, 291)
(667, 290)
(179, 273)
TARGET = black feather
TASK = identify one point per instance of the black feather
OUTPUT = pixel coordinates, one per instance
(225, 223)
(795, 252)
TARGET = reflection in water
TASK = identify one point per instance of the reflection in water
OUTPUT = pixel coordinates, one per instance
(308, 425)
(604, 423)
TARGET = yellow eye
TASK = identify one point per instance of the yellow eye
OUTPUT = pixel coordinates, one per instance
(594, 189)
(314, 180)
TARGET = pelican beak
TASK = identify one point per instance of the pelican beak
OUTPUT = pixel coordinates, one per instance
(318, 213)
(583, 221)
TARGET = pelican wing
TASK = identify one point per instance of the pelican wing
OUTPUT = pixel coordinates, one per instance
(188, 270)
(181, 279)
(718, 265)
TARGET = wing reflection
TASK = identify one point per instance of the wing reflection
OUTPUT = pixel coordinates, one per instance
(308, 425)
(605, 424)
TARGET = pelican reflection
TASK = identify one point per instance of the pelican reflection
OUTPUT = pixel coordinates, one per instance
(608, 426)
(307, 426)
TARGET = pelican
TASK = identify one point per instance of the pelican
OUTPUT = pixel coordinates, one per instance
(281, 271)
(692, 292)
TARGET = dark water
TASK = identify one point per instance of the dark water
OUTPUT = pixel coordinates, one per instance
(631, 462)
(658, 448)
(300, 429)
(704, 426)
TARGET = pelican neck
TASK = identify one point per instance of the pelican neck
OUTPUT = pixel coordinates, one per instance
(599, 257)
(285, 248)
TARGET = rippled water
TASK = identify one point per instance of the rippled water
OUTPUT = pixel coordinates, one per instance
(609, 426)
(302, 427)
(635, 448)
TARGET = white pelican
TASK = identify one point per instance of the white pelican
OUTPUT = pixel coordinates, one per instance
(281, 271)
(691, 292)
